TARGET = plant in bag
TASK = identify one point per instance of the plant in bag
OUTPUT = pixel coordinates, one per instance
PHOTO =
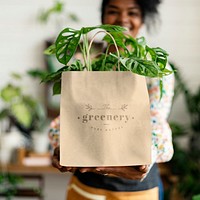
(133, 54)
(99, 110)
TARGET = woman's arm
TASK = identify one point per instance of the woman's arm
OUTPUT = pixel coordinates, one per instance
(54, 133)
(54, 136)
(162, 147)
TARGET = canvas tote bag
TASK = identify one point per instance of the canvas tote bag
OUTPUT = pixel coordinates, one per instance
(105, 119)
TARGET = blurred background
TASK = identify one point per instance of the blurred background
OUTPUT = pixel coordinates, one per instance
(27, 28)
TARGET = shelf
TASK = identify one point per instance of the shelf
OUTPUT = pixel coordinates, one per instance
(16, 168)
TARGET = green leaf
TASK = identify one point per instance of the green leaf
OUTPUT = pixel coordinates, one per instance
(22, 114)
(56, 8)
(167, 72)
(161, 58)
(196, 197)
(66, 44)
(112, 28)
(16, 76)
(118, 37)
(29, 101)
(137, 47)
(140, 66)
(39, 117)
(76, 66)
(55, 76)
(161, 88)
(57, 88)
(141, 41)
(50, 50)
(106, 27)
(10, 92)
(73, 17)
(36, 73)
(4, 113)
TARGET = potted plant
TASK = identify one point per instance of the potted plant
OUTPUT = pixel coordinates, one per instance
(21, 110)
(187, 175)
(131, 55)
(8, 184)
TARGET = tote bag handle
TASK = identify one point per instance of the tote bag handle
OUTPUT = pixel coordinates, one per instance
(117, 49)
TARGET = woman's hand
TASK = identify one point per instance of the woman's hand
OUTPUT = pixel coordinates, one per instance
(56, 162)
(131, 172)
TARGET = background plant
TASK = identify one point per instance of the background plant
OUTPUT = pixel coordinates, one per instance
(20, 109)
(9, 183)
(185, 164)
(58, 12)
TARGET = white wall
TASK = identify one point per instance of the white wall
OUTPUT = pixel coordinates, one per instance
(22, 39)
(179, 35)
(55, 186)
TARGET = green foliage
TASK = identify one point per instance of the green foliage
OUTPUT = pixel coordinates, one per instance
(132, 54)
(66, 45)
(36, 73)
(196, 197)
(56, 9)
(9, 92)
(177, 129)
(186, 164)
(22, 110)
(12, 96)
(8, 184)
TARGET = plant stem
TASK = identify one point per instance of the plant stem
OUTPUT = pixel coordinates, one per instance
(104, 60)
(84, 57)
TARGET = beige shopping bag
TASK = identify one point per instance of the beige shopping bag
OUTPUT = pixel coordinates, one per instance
(105, 119)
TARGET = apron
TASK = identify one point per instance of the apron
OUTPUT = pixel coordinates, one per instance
(79, 191)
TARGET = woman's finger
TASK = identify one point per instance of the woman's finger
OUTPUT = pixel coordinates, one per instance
(86, 169)
(124, 172)
(142, 168)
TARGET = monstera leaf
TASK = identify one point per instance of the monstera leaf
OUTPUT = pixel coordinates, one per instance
(66, 44)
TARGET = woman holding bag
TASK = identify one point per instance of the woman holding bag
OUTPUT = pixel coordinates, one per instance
(136, 182)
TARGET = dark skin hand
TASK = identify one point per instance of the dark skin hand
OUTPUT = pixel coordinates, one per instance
(56, 162)
(130, 172)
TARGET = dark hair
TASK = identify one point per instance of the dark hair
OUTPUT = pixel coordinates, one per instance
(149, 10)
